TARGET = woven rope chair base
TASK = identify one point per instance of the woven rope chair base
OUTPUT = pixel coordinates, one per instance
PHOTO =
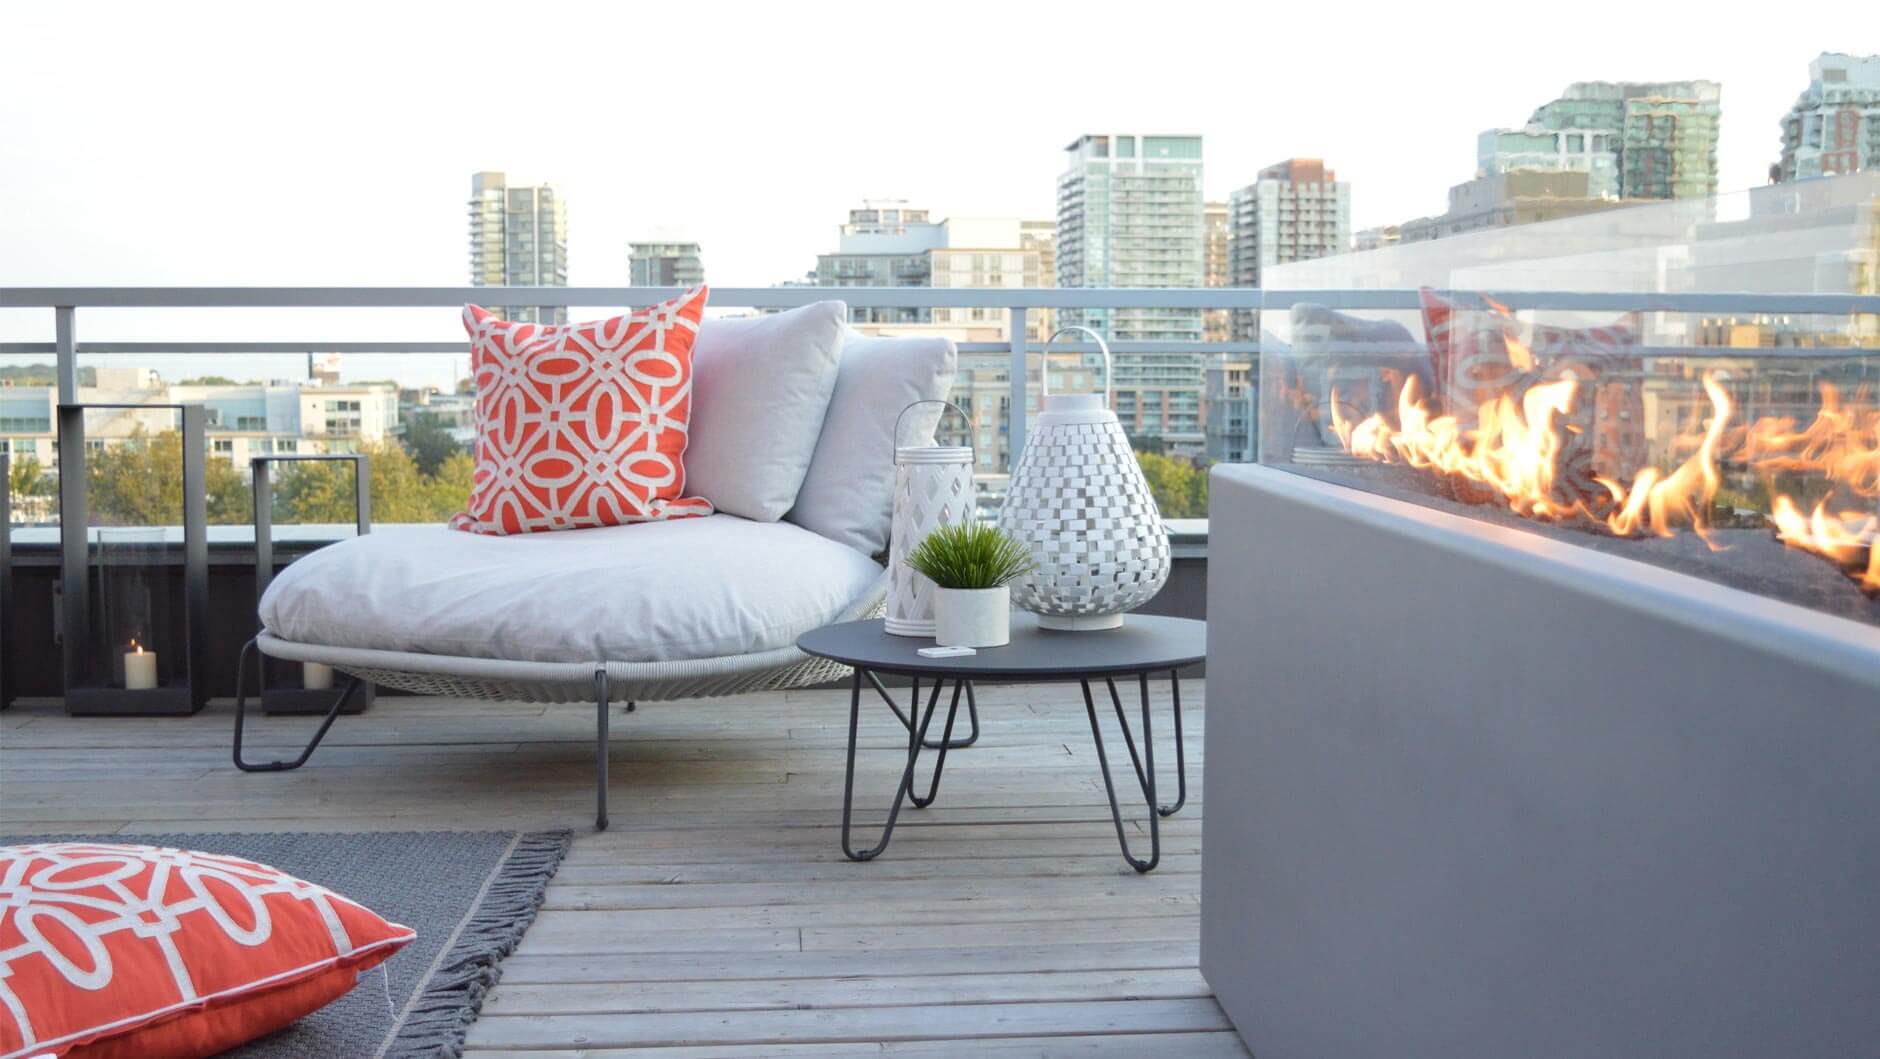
(493, 679)
(726, 679)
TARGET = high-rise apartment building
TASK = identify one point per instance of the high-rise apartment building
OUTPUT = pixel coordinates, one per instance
(1297, 210)
(1130, 214)
(665, 264)
(1659, 138)
(1217, 325)
(884, 244)
(991, 252)
(1594, 153)
(887, 243)
(518, 238)
(1231, 392)
(1834, 127)
(1040, 237)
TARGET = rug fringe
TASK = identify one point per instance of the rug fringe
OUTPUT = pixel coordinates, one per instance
(438, 1020)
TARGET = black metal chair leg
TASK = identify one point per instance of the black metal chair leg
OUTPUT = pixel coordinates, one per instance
(945, 742)
(241, 714)
(600, 749)
(915, 737)
(1109, 785)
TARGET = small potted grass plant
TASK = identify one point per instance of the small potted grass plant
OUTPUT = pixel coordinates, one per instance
(972, 566)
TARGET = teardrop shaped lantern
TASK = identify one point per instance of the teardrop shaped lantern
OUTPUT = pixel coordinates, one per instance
(1079, 501)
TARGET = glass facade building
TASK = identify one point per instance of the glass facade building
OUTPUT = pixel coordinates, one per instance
(667, 264)
(1130, 214)
(1296, 210)
(1834, 127)
(1660, 137)
(518, 238)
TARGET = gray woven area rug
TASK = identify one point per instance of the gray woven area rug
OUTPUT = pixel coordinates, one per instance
(468, 894)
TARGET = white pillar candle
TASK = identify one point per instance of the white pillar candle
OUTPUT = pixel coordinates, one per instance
(140, 668)
(315, 676)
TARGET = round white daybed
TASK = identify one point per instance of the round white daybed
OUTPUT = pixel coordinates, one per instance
(654, 611)
(670, 610)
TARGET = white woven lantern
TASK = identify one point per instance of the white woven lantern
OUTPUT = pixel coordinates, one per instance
(1079, 501)
(933, 486)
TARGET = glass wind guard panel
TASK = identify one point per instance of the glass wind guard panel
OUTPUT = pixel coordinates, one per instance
(1735, 443)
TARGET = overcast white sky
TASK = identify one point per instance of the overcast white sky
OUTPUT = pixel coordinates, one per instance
(332, 143)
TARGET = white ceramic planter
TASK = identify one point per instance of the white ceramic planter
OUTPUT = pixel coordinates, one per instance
(972, 617)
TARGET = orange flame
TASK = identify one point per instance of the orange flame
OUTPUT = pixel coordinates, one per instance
(1684, 495)
(1841, 538)
(1516, 449)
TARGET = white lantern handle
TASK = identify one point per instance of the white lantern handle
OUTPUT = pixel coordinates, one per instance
(1044, 370)
(894, 438)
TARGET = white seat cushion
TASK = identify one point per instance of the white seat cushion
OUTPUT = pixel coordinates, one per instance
(654, 592)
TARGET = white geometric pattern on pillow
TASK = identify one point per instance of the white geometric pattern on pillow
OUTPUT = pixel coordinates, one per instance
(582, 425)
(154, 893)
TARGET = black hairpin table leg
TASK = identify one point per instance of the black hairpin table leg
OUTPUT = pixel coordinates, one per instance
(945, 742)
(1145, 773)
(904, 791)
(912, 717)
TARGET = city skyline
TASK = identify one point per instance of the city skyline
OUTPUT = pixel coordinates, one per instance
(63, 150)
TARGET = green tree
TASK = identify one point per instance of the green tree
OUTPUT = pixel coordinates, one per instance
(42, 375)
(1180, 488)
(322, 491)
(430, 442)
(449, 489)
(27, 478)
(139, 482)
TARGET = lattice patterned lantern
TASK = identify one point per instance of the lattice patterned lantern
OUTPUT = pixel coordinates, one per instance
(933, 485)
(1079, 501)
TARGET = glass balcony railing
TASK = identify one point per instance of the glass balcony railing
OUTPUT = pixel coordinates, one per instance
(1773, 296)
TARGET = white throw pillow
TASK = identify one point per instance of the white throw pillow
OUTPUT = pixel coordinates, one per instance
(760, 389)
(848, 495)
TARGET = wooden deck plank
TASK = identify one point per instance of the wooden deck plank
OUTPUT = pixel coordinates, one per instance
(718, 916)
(525, 969)
(835, 1025)
(781, 994)
(1132, 1045)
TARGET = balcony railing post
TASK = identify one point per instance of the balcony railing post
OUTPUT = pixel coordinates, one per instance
(1015, 419)
(65, 338)
(74, 557)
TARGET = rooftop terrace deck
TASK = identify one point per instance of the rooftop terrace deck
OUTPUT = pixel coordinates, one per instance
(717, 916)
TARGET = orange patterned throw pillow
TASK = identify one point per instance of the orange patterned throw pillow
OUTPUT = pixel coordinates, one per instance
(113, 951)
(584, 424)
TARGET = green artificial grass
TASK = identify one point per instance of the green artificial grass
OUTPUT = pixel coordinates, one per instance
(970, 555)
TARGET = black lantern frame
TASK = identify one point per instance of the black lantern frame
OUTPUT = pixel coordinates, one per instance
(85, 695)
(6, 578)
(279, 695)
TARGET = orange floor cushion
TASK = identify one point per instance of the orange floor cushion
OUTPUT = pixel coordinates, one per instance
(119, 951)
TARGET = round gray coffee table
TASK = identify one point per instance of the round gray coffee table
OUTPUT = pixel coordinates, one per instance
(1145, 645)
